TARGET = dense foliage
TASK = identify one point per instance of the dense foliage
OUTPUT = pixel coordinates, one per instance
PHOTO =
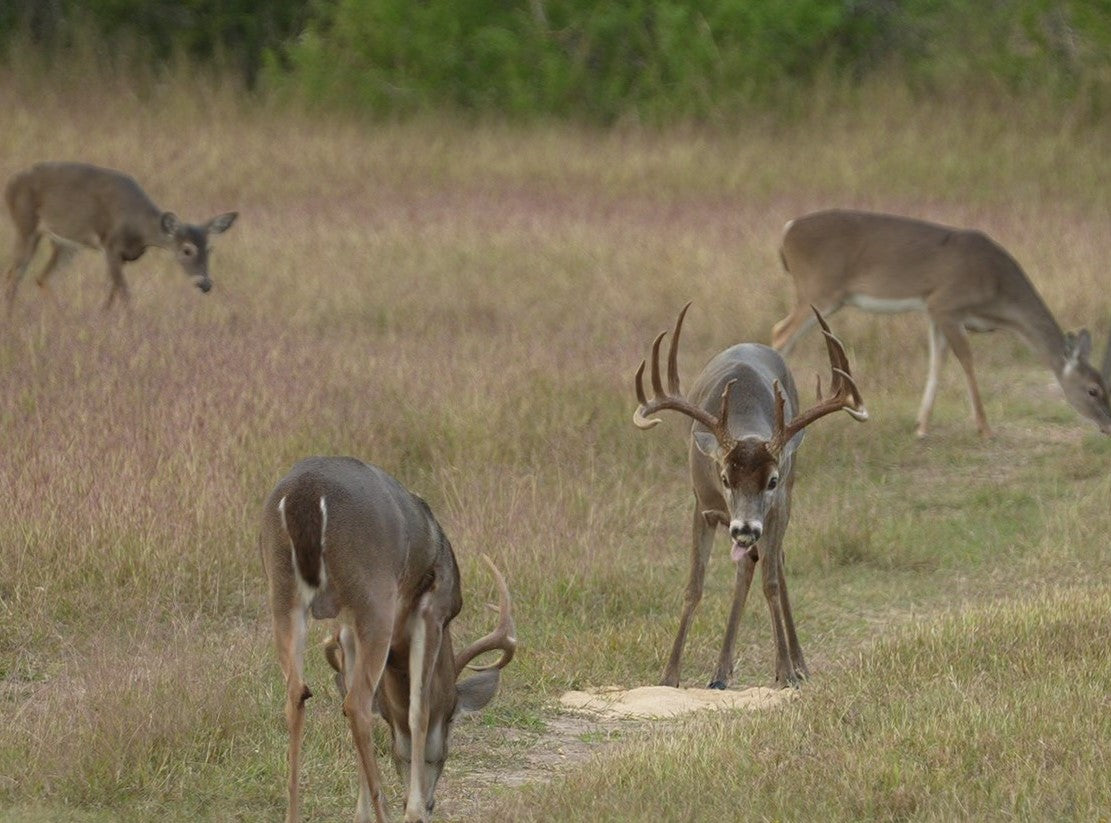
(654, 60)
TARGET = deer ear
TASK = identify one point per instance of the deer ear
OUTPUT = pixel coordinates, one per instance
(170, 223)
(475, 692)
(706, 442)
(219, 225)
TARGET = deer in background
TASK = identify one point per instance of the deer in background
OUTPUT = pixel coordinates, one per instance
(747, 427)
(962, 279)
(343, 539)
(75, 205)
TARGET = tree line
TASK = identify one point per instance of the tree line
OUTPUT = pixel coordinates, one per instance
(655, 60)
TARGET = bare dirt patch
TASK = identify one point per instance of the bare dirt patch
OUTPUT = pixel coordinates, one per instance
(655, 702)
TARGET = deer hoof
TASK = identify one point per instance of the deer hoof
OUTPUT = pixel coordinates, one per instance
(717, 684)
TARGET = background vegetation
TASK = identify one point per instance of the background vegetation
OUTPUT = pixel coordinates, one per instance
(464, 303)
(657, 61)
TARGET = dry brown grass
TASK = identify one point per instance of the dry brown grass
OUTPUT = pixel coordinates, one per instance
(464, 306)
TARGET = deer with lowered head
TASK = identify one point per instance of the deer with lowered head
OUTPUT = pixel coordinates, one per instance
(747, 425)
(961, 278)
(75, 205)
(343, 539)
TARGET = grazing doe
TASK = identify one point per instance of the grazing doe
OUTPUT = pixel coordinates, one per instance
(747, 426)
(962, 279)
(76, 205)
(343, 539)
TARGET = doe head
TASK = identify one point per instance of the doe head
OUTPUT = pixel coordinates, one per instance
(190, 244)
(1085, 388)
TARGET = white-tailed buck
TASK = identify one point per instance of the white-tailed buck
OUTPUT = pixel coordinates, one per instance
(747, 426)
(76, 205)
(343, 539)
(962, 279)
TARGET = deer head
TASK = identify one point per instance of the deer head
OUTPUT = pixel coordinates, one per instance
(190, 244)
(748, 468)
(1085, 388)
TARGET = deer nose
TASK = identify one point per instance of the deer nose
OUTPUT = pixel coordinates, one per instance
(746, 533)
(205, 286)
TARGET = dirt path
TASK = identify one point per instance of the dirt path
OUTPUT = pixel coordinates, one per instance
(585, 723)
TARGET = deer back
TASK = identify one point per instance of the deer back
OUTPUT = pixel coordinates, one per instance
(381, 539)
(81, 202)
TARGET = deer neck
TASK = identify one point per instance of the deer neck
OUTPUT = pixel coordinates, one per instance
(1035, 324)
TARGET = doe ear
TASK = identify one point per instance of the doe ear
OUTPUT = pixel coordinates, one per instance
(219, 225)
(706, 442)
(1078, 347)
(169, 222)
(476, 691)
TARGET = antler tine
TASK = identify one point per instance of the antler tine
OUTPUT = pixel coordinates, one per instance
(841, 381)
(673, 400)
(721, 431)
(657, 386)
(504, 635)
(844, 393)
(673, 353)
(780, 402)
(640, 385)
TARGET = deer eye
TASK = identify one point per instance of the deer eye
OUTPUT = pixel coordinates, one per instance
(773, 481)
(188, 251)
(1093, 391)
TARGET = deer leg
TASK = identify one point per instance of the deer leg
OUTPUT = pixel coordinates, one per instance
(745, 570)
(25, 251)
(938, 351)
(372, 646)
(60, 254)
(958, 342)
(703, 541)
(119, 285)
(785, 674)
(788, 331)
(289, 631)
(424, 647)
(793, 647)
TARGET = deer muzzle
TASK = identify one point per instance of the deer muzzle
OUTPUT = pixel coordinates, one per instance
(745, 533)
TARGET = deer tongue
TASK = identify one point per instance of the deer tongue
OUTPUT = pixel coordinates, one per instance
(738, 552)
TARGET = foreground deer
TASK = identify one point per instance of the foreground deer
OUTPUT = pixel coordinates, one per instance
(75, 205)
(747, 425)
(341, 538)
(962, 279)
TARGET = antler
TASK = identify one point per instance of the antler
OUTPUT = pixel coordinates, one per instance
(503, 637)
(845, 394)
(673, 400)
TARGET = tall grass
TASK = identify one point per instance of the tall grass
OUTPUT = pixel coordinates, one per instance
(464, 305)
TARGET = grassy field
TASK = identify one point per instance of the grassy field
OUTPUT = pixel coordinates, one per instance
(465, 306)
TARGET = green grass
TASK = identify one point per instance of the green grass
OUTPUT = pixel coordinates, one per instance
(464, 306)
(996, 712)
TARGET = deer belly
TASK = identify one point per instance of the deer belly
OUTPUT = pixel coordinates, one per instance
(80, 241)
(884, 305)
